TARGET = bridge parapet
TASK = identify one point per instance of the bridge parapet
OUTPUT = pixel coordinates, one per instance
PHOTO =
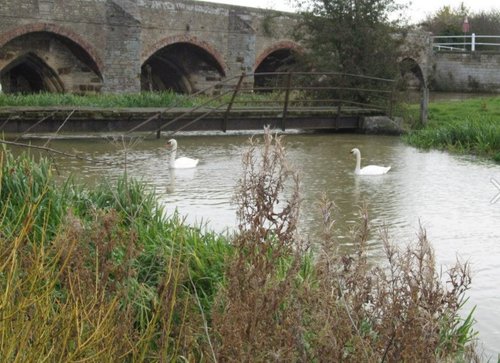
(466, 43)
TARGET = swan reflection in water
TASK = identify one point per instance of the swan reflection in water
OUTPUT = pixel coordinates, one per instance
(176, 176)
(171, 182)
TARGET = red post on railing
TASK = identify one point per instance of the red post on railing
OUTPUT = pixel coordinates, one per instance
(230, 105)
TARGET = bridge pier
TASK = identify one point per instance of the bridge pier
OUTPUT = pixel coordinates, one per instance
(122, 63)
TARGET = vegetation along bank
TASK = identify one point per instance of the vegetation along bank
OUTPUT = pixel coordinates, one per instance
(102, 275)
(469, 126)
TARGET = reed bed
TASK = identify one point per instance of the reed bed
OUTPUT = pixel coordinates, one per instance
(102, 275)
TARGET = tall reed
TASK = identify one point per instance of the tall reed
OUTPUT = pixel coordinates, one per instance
(477, 136)
(99, 275)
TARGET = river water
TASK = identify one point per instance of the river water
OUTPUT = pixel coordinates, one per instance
(450, 196)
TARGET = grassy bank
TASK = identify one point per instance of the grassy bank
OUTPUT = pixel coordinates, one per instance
(467, 126)
(144, 99)
(101, 275)
(106, 100)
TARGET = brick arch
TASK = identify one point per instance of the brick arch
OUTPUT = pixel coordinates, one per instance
(284, 44)
(185, 39)
(55, 29)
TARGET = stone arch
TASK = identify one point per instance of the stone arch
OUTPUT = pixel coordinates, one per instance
(29, 73)
(280, 57)
(181, 63)
(55, 59)
(284, 45)
(411, 74)
(58, 30)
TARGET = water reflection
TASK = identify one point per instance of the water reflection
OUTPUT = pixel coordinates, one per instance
(171, 184)
(448, 195)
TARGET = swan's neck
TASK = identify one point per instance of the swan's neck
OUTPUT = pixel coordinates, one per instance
(172, 157)
(358, 163)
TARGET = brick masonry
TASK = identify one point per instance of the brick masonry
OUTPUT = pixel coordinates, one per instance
(102, 45)
(112, 46)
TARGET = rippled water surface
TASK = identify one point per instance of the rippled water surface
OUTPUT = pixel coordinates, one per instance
(450, 196)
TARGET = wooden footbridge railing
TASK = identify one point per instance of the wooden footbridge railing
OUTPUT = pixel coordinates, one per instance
(298, 100)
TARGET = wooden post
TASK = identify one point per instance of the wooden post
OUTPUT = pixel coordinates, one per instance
(391, 104)
(287, 98)
(158, 132)
(337, 116)
(424, 105)
(228, 110)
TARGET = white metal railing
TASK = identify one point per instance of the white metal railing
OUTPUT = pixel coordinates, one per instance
(464, 43)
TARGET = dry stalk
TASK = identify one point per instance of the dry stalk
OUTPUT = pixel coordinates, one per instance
(259, 313)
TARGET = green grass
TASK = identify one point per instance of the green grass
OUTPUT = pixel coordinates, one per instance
(467, 126)
(94, 273)
(143, 99)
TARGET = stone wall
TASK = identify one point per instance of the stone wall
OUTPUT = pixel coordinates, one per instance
(103, 45)
(471, 72)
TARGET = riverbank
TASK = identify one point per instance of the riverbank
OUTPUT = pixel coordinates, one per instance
(142, 287)
(469, 126)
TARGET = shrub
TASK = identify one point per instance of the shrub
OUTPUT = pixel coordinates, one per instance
(283, 304)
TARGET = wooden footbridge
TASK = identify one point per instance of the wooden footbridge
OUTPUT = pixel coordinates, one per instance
(307, 101)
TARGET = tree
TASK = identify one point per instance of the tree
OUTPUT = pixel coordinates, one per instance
(352, 36)
(485, 23)
(447, 20)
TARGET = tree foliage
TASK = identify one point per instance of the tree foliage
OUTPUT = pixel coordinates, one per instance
(448, 21)
(485, 23)
(351, 36)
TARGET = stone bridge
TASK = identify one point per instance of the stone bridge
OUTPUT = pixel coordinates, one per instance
(425, 64)
(128, 46)
(132, 45)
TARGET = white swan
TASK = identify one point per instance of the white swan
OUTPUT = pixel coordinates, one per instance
(370, 169)
(180, 163)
